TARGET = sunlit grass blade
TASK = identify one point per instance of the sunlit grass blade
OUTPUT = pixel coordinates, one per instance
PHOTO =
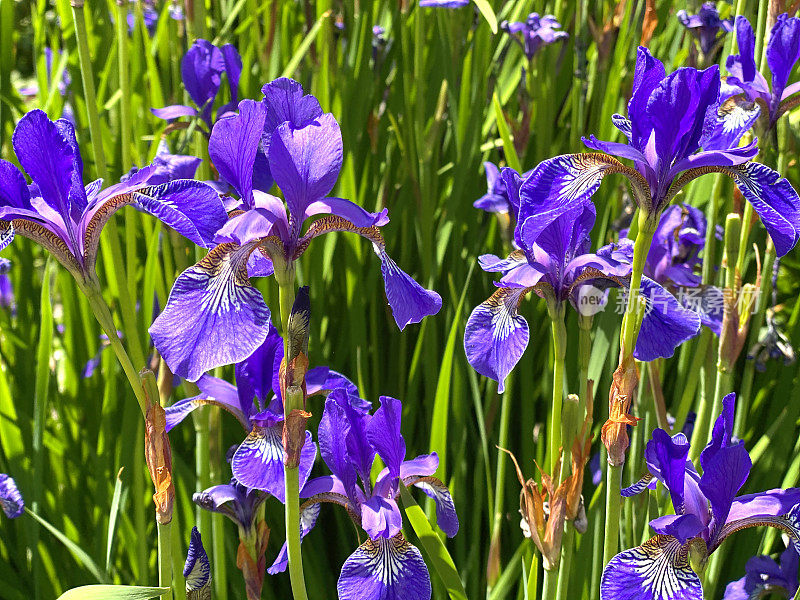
(113, 592)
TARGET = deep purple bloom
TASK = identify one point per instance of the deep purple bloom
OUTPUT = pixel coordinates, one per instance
(502, 191)
(535, 32)
(197, 570)
(150, 16)
(201, 69)
(707, 511)
(6, 288)
(766, 578)
(386, 565)
(670, 119)
(783, 51)
(10, 498)
(214, 316)
(558, 265)
(66, 218)
(256, 403)
(673, 262)
(443, 3)
(706, 26)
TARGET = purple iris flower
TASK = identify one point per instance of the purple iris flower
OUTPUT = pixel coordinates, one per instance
(10, 498)
(670, 118)
(256, 403)
(197, 570)
(385, 565)
(535, 32)
(234, 500)
(706, 26)
(443, 3)
(707, 511)
(498, 198)
(214, 316)
(168, 167)
(201, 70)
(150, 15)
(557, 266)
(66, 218)
(783, 51)
(766, 578)
(6, 288)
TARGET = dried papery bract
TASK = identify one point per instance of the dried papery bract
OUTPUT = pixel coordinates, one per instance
(251, 559)
(614, 432)
(158, 454)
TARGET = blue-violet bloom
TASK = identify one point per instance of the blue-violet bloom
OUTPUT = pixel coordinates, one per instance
(706, 26)
(766, 578)
(558, 266)
(670, 119)
(10, 498)
(66, 218)
(783, 51)
(534, 32)
(197, 570)
(385, 565)
(201, 70)
(707, 511)
(214, 316)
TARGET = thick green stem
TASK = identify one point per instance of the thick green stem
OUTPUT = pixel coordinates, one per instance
(103, 315)
(641, 248)
(165, 557)
(285, 278)
(564, 567)
(493, 566)
(613, 502)
(550, 588)
(556, 312)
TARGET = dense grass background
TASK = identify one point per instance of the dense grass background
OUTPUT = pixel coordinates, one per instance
(418, 119)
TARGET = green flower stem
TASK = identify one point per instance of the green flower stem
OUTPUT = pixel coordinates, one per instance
(614, 484)
(641, 248)
(550, 588)
(556, 312)
(103, 315)
(285, 278)
(630, 331)
(165, 556)
(202, 466)
(565, 566)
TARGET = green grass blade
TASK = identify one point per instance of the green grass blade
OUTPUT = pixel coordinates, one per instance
(488, 13)
(291, 67)
(505, 134)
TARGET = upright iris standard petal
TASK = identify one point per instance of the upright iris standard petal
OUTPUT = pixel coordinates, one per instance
(783, 51)
(657, 570)
(496, 335)
(333, 430)
(286, 103)
(49, 159)
(385, 569)
(669, 456)
(306, 162)
(200, 70)
(666, 324)
(233, 146)
(213, 317)
(10, 497)
(197, 570)
(383, 433)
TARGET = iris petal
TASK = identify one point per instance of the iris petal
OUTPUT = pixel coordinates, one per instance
(496, 335)
(666, 324)
(385, 569)
(446, 516)
(197, 570)
(258, 462)
(657, 570)
(10, 499)
(213, 317)
(308, 519)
